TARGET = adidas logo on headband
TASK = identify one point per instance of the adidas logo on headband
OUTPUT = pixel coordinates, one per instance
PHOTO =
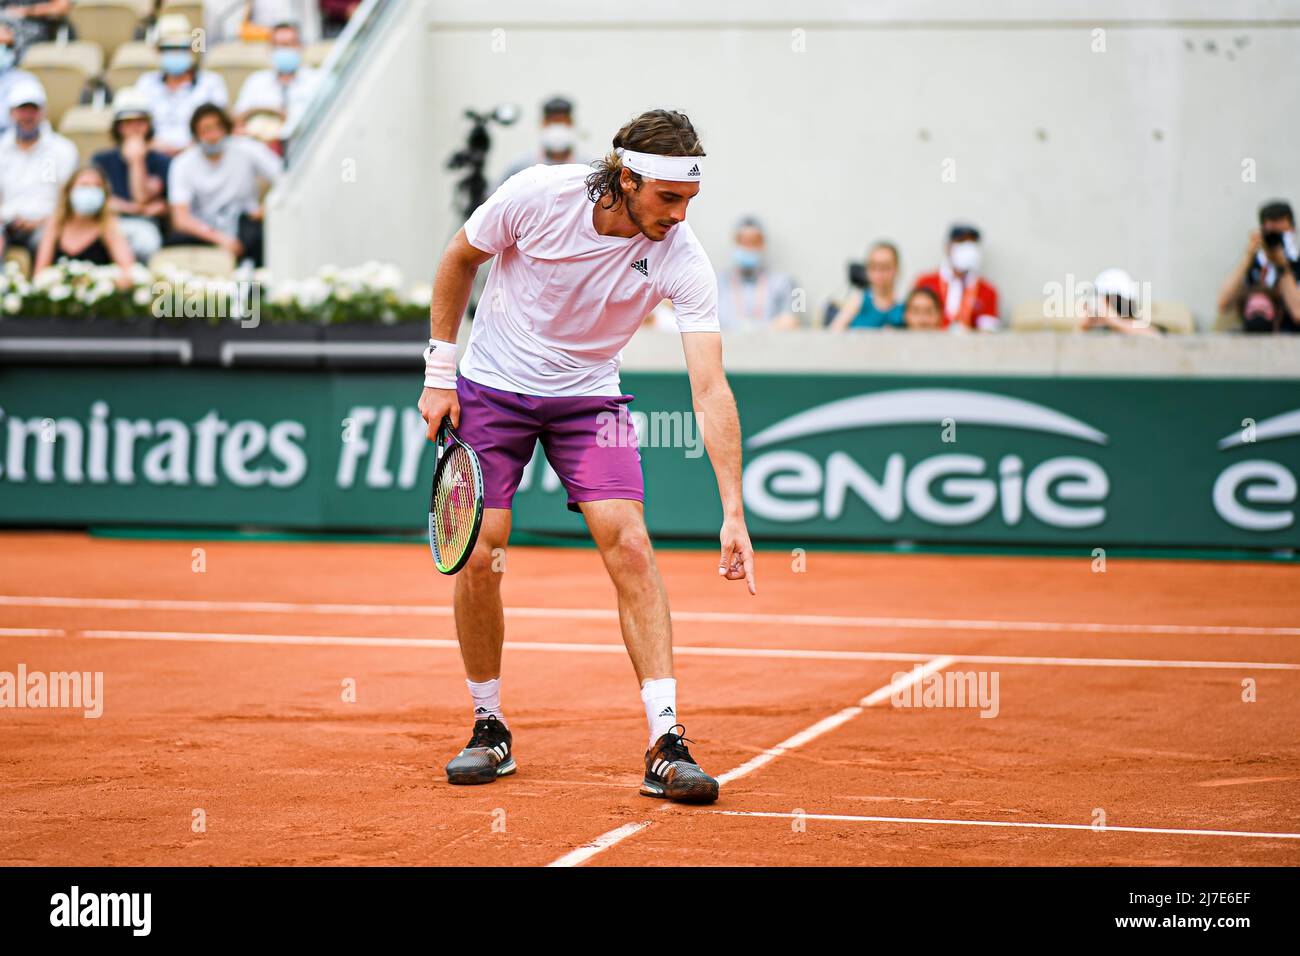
(670, 168)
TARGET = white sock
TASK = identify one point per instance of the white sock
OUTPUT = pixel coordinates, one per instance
(660, 698)
(487, 699)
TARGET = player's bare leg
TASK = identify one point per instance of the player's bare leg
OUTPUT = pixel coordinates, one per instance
(480, 620)
(480, 629)
(618, 527)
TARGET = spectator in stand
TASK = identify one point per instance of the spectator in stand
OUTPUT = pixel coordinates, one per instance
(1271, 265)
(335, 15)
(923, 312)
(1116, 306)
(136, 174)
(10, 75)
(176, 90)
(751, 295)
(282, 92)
(875, 306)
(84, 228)
(255, 20)
(1261, 310)
(213, 187)
(35, 162)
(558, 142)
(968, 300)
(33, 22)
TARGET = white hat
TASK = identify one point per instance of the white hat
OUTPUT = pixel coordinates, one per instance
(130, 102)
(1116, 282)
(27, 91)
(174, 30)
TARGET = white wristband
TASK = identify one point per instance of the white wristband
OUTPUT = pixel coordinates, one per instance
(440, 365)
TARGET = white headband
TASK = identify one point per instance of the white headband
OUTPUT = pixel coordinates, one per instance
(677, 169)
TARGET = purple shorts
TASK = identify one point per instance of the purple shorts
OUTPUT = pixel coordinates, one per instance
(588, 440)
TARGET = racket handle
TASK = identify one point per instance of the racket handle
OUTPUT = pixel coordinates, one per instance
(445, 435)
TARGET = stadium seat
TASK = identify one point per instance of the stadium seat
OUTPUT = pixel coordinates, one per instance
(110, 23)
(192, 10)
(63, 69)
(129, 63)
(199, 260)
(235, 62)
(88, 128)
(1032, 316)
(316, 53)
(1173, 317)
(20, 255)
(1229, 320)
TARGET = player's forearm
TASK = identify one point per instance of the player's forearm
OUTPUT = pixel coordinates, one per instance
(451, 289)
(715, 410)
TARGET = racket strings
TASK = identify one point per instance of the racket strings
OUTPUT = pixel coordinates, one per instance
(454, 505)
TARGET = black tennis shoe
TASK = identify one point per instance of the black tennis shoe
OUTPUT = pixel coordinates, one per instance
(672, 773)
(488, 754)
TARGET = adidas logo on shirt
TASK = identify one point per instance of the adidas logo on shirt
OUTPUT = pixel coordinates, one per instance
(667, 712)
(642, 266)
(695, 170)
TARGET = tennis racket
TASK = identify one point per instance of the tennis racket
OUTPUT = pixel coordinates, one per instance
(456, 505)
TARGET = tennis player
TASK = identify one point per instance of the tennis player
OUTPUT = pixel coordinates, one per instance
(583, 254)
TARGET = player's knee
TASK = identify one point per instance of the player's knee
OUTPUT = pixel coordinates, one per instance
(485, 565)
(632, 552)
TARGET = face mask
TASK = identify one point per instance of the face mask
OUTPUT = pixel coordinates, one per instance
(213, 149)
(6, 57)
(558, 138)
(176, 62)
(286, 59)
(27, 135)
(748, 259)
(87, 200)
(965, 256)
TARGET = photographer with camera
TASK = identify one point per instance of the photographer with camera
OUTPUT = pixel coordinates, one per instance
(871, 302)
(1271, 265)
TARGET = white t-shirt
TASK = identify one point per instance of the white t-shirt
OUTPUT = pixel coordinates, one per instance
(217, 191)
(263, 90)
(171, 109)
(31, 180)
(561, 300)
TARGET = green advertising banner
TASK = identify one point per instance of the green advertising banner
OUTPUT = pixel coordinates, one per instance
(850, 458)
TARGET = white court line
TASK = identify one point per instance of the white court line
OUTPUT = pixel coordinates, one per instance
(588, 850)
(830, 723)
(602, 614)
(827, 724)
(207, 637)
(1009, 823)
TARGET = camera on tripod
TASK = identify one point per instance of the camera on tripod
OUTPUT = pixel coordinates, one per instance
(471, 189)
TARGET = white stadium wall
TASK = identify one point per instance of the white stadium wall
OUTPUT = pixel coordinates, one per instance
(838, 123)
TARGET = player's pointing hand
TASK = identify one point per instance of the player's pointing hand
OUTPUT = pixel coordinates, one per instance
(737, 558)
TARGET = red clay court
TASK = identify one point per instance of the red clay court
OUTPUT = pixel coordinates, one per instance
(1120, 693)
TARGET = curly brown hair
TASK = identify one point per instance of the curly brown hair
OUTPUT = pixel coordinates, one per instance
(663, 132)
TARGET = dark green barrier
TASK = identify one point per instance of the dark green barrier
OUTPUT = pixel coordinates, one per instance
(1074, 461)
